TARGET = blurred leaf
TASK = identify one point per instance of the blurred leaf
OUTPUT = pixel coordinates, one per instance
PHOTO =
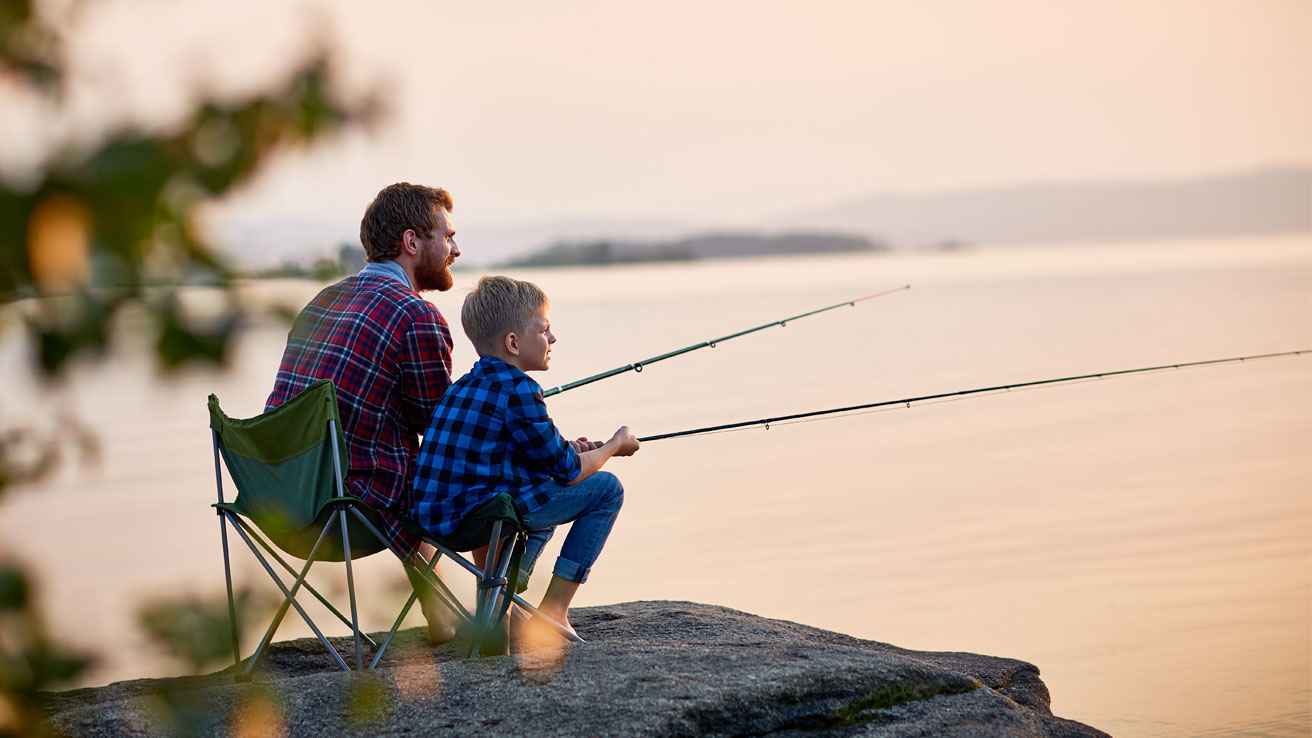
(136, 195)
(72, 325)
(29, 46)
(180, 341)
(370, 700)
(107, 225)
(198, 631)
(26, 456)
(13, 589)
(184, 713)
(29, 662)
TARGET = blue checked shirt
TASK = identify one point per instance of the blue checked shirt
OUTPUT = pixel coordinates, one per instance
(489, 434)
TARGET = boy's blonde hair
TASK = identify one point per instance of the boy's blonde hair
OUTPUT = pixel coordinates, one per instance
(497, 306)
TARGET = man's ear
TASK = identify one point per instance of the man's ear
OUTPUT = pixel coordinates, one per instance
(410, 242)
(511, 342)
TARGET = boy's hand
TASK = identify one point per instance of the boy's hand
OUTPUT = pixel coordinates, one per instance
(626, 442)
(583, 444)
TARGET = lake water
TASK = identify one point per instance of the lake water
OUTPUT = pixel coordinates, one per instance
(1146, 541)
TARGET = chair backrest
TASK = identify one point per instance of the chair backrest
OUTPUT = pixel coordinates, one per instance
(283, 464)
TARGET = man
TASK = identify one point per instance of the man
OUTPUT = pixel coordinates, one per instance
(388, 351)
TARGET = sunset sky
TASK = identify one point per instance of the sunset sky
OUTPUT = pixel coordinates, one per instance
(718, 111)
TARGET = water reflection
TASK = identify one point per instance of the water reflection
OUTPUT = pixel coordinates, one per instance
(1145, 541)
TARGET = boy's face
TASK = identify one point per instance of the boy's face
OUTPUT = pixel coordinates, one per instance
(535, 343)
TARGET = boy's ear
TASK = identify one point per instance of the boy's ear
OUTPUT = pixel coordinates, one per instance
(511, 342)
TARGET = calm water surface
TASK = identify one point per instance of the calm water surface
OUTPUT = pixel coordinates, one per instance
(1146, 541)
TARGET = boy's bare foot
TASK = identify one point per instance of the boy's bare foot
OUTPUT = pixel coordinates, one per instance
(532, 633)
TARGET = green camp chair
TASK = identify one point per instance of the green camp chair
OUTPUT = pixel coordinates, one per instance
(288, 466)
(497, 525)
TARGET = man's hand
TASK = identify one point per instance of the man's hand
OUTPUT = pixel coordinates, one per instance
(582, 444)
(626, 443)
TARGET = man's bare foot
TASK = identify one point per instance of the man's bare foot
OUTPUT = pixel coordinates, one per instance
(442, 623)
(441, 631)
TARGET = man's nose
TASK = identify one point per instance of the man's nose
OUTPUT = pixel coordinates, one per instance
(455, 249)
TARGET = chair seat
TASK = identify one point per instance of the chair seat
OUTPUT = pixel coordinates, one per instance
(475, 529)
(300, 541)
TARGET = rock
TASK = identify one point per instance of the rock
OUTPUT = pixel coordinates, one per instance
(648, 669)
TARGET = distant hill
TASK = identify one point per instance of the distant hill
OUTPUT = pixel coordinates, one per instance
(712, 246)
(1267, 201)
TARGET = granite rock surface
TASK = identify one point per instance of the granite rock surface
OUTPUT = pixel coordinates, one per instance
(647, 669)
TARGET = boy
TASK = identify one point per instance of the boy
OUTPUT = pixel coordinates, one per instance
(491, 434)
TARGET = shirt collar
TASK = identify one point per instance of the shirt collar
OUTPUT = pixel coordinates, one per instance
(492, 365)
(388, 269)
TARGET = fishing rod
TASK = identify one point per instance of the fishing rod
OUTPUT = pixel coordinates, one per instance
(638, 365)
(924, 398)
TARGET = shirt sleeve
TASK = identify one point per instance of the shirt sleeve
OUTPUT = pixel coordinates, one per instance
(536, 436)
(425, 366)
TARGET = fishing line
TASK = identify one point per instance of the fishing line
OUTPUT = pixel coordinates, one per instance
(637, 366)
(906, 403)
(894, 408)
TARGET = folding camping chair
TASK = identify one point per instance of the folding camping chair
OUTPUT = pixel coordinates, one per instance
(289, 465)
(497, 525)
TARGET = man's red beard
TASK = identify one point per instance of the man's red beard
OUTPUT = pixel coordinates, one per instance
(433, 274)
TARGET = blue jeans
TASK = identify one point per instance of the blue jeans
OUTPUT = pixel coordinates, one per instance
(592, 506)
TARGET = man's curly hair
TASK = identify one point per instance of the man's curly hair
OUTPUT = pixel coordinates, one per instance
(396, 209)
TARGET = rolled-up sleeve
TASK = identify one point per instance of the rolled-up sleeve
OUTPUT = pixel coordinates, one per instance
(536, 436)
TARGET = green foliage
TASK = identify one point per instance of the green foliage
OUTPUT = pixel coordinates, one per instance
(370, 701)
(28, 44)
(98, 227)
(29, 661)
(197, 630)
(108, 225)
(28, 454)
(891, 694)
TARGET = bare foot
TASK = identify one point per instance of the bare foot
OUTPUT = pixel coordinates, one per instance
(442, 622)
(441, 631)
(532, 633)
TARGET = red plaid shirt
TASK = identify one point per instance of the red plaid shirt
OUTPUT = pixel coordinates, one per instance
(388, 351)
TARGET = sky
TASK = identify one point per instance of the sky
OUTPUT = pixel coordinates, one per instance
(724, 112)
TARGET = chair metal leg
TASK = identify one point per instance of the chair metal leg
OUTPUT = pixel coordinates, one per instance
(350, 588)
(505, 554)
(569, 634)
(290, 599)
(232, 605)
(426, 573)
(378, 655)
(444, 595)
(434, 581)
(227, 566)
(468, 566)
(293, 572)
(448, 597)
(480, 593)
(491, 585)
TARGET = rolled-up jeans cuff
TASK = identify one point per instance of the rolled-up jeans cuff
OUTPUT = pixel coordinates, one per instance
(566, 569)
